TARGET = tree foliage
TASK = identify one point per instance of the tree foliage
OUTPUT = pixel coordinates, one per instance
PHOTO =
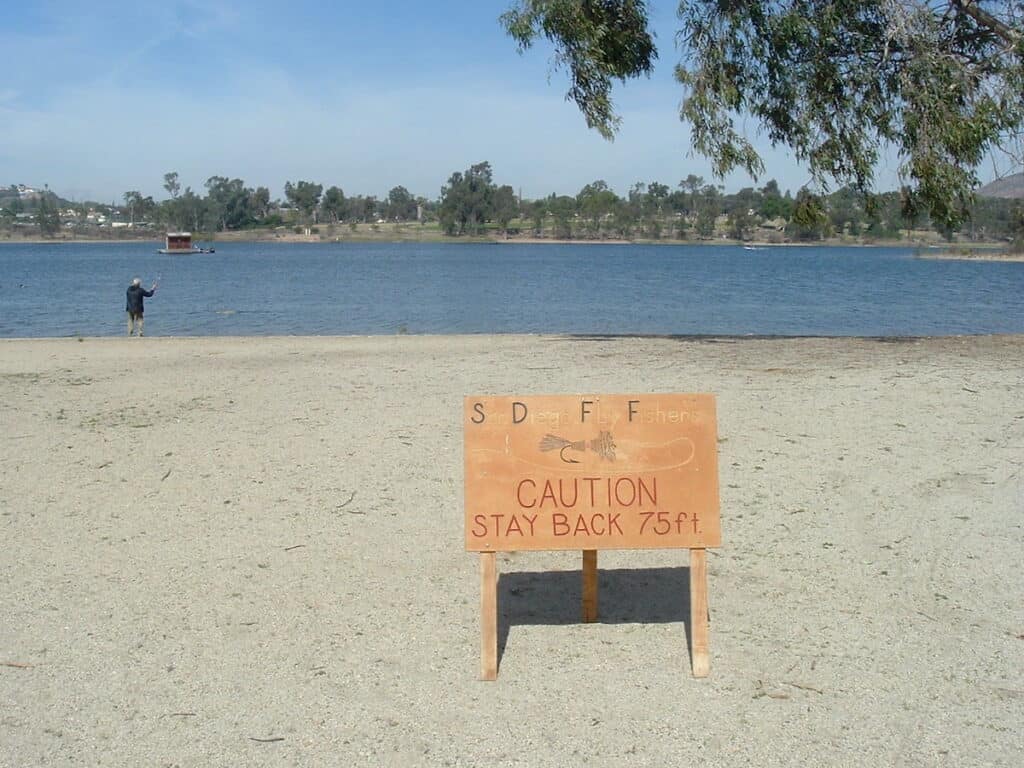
(838, 81)
(401, 205)
(304, 195)
(466, 200)
(598, 40)
(505, 206)
(47, 214)
(334, 204)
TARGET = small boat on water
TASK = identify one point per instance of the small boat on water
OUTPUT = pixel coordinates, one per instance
(180, 243)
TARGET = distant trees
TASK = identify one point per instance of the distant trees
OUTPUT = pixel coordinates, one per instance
(190, 208)
(471, 202)
(401, 206)
(171, 184)
(229, 202)
(305, 196)
(597, 203)
(139, 208)
(506, 207)
(563, 210)
(259, 202)
(467, 200)
(47, 214)
(333, 205)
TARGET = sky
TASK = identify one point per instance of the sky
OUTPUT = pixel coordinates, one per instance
(104, 97)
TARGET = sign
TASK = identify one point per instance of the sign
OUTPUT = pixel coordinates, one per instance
(591, 472)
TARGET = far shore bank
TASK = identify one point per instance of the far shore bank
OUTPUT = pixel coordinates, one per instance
(978, 255)
(981, 251)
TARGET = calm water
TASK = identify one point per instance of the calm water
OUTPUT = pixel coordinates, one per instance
(256, 289)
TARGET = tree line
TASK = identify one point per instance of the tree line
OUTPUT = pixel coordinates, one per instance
(471, 203)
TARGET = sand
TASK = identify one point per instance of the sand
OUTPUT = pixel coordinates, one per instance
(248, 552)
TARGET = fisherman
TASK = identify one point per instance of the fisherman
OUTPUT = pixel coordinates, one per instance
(134, 306)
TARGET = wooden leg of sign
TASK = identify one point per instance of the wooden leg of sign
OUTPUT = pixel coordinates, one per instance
(699, 642)
(488, 616)
(589, 585)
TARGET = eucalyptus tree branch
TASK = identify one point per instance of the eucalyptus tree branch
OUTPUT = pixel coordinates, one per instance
(990, 22)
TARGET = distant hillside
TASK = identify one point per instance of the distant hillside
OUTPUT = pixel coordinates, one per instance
(1011, 187)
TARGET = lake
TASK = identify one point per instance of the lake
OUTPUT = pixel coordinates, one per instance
(257, 289)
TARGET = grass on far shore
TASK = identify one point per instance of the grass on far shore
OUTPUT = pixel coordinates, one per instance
(520, 232)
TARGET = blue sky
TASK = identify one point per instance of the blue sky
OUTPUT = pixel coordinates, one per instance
(106, 96)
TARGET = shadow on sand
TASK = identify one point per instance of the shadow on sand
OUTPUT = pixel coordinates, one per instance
(625, 596)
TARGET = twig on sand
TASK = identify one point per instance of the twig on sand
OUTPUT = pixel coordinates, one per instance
(760, 691)
(346, 503)
(180, 714)
(16, 664)
(166, 475)
(267, 741)
(803, 687)
(293, 546)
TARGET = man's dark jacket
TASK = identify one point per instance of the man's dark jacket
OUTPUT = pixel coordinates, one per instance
(135, 294)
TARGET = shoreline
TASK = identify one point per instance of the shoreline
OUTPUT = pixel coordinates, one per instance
(250, 550)
(960, 256)
(702, 338)
(984, 249)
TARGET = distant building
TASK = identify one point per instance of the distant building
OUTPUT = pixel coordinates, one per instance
(178, 242)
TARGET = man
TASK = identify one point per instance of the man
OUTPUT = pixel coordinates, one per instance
(134, 307)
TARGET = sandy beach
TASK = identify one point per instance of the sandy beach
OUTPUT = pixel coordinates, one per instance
(249, 552)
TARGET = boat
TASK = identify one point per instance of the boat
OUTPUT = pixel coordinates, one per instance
(180, 243)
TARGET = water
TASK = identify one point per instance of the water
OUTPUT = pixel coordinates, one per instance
(257, 289)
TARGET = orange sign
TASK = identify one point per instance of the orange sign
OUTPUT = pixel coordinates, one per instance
(591, 472)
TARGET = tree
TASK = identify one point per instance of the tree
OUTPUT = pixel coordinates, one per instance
(132, 201)
(709, 202)
(741, 208)
(401, 205)
(363, 208)
(809, 221)
(773, 204)
(845, 211)
(259, 202)
(191, 209)
(563, 209)
(693, 185)
(333, 204)
(657, 194)
(48, 214)
(304, 195)
(466, 200)
(171, 184)
(1017, 229)
(837, 81)
(229, 202)
(505, 206)
(596, 202)
(537, 210)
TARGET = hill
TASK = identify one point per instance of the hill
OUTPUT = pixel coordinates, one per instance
(1009, 187)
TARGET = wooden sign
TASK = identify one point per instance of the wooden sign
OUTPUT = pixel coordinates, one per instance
(591, 472)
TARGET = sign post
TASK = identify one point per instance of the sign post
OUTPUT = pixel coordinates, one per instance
(591, 472)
